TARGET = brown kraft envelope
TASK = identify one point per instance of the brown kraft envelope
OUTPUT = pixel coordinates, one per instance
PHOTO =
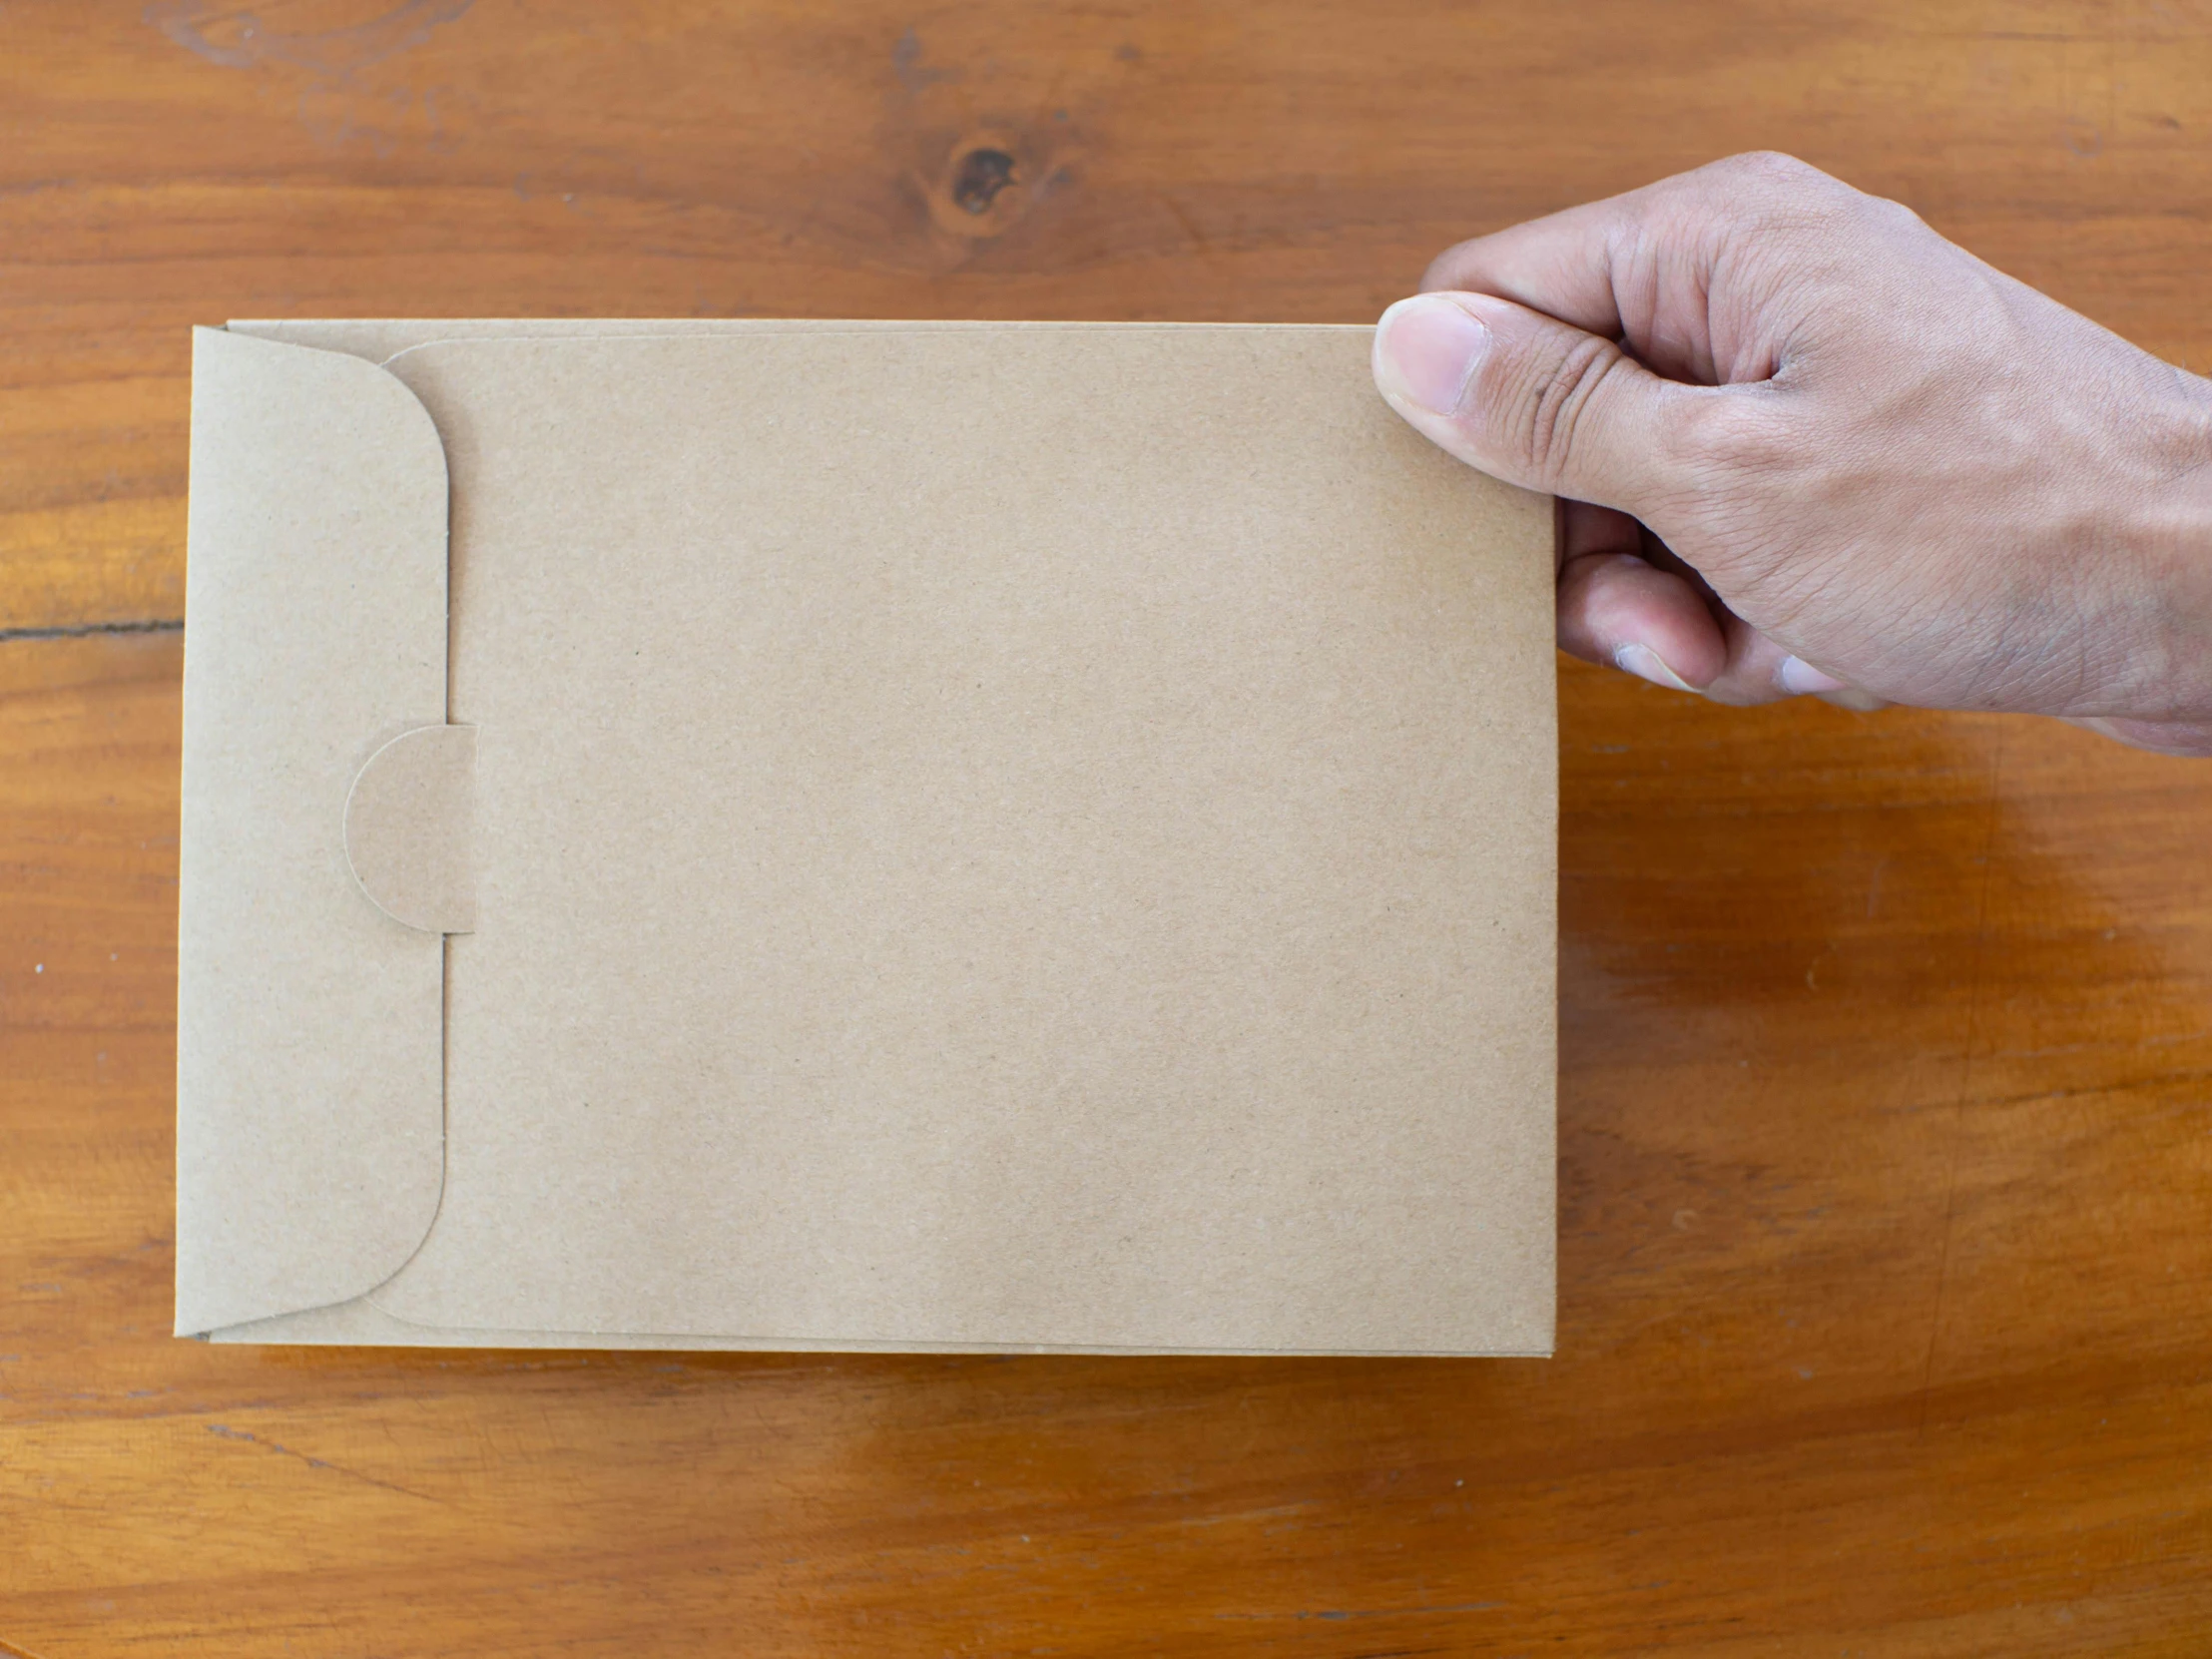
(847, 836)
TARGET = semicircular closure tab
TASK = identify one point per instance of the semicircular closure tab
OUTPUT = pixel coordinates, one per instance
(410, 828)
(310, 1086)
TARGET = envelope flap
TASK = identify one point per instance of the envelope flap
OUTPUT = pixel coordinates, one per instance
(310, 1063)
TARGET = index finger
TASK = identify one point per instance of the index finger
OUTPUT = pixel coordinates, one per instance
(1645, 267)
(1561, 265)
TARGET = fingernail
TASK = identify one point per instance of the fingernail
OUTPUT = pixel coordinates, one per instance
(1648, 664)
(1426, 350)
(1801, 679)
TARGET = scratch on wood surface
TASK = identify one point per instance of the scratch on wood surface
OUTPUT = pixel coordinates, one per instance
(1184, 222)
(313, 1462)
(2149, 1080)
(906, 54)
(1976, 976)
(1268, 1513)
(83, 630)
(237, 39)
(1333, 1615)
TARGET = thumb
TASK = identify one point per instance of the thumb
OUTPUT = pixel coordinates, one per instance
(1527, 398)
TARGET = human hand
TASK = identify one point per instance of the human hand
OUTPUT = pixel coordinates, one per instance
(1808, 446)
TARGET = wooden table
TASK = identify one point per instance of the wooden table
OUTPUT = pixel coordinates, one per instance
(1886, 1153)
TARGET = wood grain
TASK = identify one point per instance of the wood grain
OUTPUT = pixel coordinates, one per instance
(1887, 1065)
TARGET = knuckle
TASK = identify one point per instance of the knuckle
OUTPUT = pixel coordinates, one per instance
(1779, 193)
(1893, 216)
(1765, 179)
(1774, 167)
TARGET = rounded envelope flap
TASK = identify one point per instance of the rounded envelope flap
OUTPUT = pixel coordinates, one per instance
(408, 828)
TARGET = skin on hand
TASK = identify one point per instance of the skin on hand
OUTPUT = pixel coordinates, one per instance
(1807, 445)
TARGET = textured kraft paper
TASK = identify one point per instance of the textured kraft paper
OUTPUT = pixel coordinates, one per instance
(899, 837)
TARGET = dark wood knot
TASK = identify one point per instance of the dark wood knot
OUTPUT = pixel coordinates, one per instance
(985, 183)
(978, 176)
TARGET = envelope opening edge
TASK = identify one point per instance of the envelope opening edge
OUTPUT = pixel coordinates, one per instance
(310, 1138)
